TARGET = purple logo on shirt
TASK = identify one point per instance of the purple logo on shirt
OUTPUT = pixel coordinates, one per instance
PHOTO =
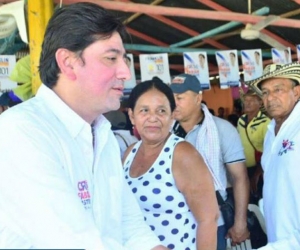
(83, 193)
(286, 146)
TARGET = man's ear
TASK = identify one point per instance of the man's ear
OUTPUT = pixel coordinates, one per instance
(130, 114)
(65, 60)
(199, 98)
(297, 92)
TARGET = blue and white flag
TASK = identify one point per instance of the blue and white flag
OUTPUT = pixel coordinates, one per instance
(195, 63)
(228, 68)
(298, 52)
(132, 81)
(252, 64)
(155, 65)
(281, 56)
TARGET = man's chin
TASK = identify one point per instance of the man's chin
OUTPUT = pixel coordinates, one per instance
(177, 118)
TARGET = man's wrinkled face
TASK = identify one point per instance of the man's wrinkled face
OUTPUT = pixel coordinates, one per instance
(279, 96)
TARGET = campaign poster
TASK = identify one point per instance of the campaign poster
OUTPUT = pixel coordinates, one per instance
(227, 61)
(252, 64)
(298, 52)
(7, 63)
(155, 65)
(281, 56)
(195, 63)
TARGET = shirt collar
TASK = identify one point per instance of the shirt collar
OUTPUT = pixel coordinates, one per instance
(71, 120)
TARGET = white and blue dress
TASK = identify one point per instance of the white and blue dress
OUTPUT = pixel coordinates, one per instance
(164, 207)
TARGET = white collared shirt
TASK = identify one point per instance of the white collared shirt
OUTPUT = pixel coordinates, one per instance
(56, 192)
(280, 163)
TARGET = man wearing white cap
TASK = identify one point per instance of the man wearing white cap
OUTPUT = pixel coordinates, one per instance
(280, 92)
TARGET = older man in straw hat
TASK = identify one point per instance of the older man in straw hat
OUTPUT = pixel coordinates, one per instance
(280, 91)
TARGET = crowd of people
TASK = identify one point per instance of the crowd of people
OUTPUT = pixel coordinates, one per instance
(71, 179)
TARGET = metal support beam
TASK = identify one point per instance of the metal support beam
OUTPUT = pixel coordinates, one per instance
(151, 48)
(217, 30)
(184, 12)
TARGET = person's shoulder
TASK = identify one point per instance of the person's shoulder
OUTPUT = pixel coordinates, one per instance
(184, 149)
(17, 113)
(262, 118)
(222, 123)
(127, 151)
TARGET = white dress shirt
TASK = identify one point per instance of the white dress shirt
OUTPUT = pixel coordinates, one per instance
(280, 163)
(56, 191)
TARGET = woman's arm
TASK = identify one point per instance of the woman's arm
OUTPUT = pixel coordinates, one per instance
(194, 181)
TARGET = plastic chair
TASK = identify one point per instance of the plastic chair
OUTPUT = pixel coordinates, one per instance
(255, 209)
(246, 245)
(261, 206)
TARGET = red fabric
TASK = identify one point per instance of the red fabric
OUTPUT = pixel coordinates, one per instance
(257, 155)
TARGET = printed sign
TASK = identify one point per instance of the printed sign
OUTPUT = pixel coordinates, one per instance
(195, 63)
(228, 68)
(155, 65)
(298, 52)
(252, 64)
(281, 56)
(7, 63)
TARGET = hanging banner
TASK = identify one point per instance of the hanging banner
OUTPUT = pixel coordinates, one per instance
(155, 65)
(281, 56)
(132, 82)
(298, 52)
(228, 68)
(195, 63)
(7, 63)
(252, 64)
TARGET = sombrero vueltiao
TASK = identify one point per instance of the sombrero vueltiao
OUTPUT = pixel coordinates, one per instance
(290, 71)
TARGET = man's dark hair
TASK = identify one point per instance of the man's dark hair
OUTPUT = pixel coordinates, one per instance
(146, 86)
(75, 27)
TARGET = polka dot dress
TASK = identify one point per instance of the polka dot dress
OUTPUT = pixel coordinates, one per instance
(164, 207)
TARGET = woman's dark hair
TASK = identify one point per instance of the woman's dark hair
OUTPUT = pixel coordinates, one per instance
(145, 86)
(75, 27)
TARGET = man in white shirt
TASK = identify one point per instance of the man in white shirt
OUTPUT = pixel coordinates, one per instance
(280, 91)
(61, 179)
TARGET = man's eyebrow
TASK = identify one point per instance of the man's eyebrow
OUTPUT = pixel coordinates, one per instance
(275, 85)
(114, 50)
(117, 51)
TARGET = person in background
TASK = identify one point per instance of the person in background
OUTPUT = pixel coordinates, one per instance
(252, 127)
(280, 91)
(62, 184)
(122, 127)
(2, 108)
(221, 112)
(219, 144)
(168, 176)
(4, 102)
(21, 74)
(233, 119)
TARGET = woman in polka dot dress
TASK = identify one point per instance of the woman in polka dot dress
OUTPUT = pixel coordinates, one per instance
(167, 175)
